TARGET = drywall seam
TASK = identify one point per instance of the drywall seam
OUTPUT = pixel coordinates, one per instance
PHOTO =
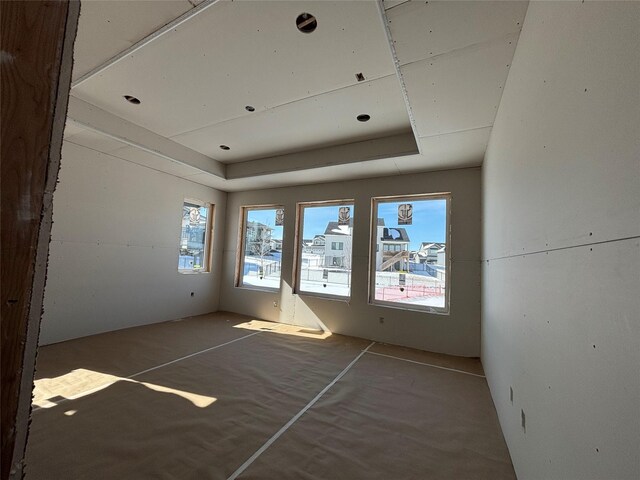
(537, 252)
(396, 5)
(231, 119)
(561, 331)
(455, 131)
(467, 48)
(145, 41)
(277, 435)
(396, 65)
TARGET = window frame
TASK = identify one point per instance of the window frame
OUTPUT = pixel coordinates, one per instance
(240, 249)
(208, 236)
(297, 259)
(375, 201)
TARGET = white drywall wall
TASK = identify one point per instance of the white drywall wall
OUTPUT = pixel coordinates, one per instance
(561, 244)
(114, 248)
(457, 333)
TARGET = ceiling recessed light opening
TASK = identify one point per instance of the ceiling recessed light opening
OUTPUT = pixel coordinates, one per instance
(363, 117)
(249, 108)
(306, 23)
(225, 147)
(132, 99)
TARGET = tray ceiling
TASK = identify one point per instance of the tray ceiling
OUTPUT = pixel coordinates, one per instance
(433, 79)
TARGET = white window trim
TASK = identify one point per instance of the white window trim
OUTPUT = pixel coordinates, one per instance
(446, 310)
(208, 237)
(242, 222)
(297, 259)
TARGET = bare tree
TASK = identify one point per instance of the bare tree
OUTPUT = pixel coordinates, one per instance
(260, 243)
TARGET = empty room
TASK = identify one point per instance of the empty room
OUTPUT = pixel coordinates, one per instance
(357, 239)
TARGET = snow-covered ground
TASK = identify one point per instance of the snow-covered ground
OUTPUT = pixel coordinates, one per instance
(312, 286)
(252, 278)
(265, 282)
(431, 301)
(418, 289)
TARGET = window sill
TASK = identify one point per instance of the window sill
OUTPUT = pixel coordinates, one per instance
(411, 308)
(324, 296)
(258, 289)
(192, 272)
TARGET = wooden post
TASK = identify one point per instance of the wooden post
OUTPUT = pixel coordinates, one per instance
(36, 58)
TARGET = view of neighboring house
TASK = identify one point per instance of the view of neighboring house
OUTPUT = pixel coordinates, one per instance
(337, 248)
(315, 246)
(441, 256)
(192, 238)
(276, 245)
(428, 253)
(333, 249)
(392, 248)
(262, 254)
(258, 239)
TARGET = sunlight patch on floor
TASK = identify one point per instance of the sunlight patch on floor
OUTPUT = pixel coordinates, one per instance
(284, 329)
(81, 382)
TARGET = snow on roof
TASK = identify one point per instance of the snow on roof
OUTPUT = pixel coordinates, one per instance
(334, 229)
(342, 230)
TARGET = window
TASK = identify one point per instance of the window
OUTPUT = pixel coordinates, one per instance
(410, 266)
(324, 268)
(195, 237)
(260, 259)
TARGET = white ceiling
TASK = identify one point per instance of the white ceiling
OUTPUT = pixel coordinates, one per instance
(325, 119)
(195, 80)
(454, 60)
(109, 27)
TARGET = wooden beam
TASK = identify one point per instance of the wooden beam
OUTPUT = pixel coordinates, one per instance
(35, 59)
(94, 118)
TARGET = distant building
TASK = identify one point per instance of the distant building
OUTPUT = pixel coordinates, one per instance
(337, 248)
(315, 246)
(392, 248)
(276, 245)
(428, 253)
(258, 238)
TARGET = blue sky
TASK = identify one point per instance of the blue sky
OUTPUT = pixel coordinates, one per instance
(317, 218)
(429, 220)
(267, 217)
